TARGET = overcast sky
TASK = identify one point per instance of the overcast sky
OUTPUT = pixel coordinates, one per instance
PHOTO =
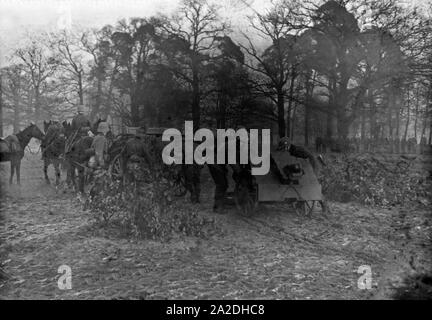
(18, 17)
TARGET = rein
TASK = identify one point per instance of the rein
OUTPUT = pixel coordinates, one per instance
(30, 150)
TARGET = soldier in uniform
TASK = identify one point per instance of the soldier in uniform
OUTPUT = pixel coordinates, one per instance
(423, 143)
(80, 122)
(54, 131)
(296, 151)
(192, 175)
(80, 127)
(100, 146)
(219, 173)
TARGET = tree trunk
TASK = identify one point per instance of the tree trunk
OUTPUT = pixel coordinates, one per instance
(416, 113)
(37, 106)
(293, 120)
(290, 100)
(408, 118)
(307, 109)
(423, 131)
(135, 113)
(1, 106)
(96, 108)
(398, 110)
(196, 112)
(373, 126)
(221, 116)
(331, 117)
(80, 89)
(16, 117)
(281, 112)
(363, 123)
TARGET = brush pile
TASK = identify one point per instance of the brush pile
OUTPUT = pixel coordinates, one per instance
(377, 180)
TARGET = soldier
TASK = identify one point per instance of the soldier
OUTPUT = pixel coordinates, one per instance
(80, 122)
(192, 175)
(100, 146)
(296, 151)
(397, 145)
(80, 127)
(402, 145)
(219, 173)
(54, 131)
(423, 143)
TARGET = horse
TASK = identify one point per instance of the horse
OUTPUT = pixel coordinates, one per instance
(53, 147)
(134, 151)
(12, 148)
(321, 144)
(77, 157)
(77, 153)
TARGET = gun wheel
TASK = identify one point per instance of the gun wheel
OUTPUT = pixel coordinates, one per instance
(180, 186)
(116, 168)
(307, 207)
(245, 200)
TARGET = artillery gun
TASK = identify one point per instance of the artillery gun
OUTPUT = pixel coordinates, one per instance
(290, 179)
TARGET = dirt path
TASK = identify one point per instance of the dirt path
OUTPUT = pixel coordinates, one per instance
(274, 255)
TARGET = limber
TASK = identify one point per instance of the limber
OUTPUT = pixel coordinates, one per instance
(204, 153)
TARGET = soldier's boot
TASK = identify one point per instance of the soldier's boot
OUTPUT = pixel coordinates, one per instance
(219, 206)
(194, 198)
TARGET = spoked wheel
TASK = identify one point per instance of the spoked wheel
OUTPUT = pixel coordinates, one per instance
(307, 207)
(139, 169)
(245, 199)
(180, 186)
(116, 168)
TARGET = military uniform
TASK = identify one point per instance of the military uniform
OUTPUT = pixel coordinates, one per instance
(82, 123)
(100, 145)
(55, 131)
(297, 151)
(219, 174)
(191, 173)
(80, 127)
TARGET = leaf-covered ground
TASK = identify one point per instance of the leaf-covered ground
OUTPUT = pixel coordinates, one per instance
(277, 254)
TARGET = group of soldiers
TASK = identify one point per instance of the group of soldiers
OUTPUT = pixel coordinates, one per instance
(388, 145)
(80, 127)
(219, 173)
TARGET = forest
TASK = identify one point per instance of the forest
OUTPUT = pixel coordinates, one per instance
(358, 69)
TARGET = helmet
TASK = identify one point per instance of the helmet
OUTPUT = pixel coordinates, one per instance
(80, 108)
(103, 127)
(284, 143)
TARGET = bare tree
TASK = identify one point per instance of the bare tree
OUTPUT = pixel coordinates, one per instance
(193, 32)
(40, 65)
(72, 62)
(277, 65)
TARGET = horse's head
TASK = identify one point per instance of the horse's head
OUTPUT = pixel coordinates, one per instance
(95, 125)
(67, 128)
(34, 131)
(46, 125)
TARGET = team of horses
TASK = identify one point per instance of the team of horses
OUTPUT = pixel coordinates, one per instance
(53, 142)
(127, 148)
(13, 146)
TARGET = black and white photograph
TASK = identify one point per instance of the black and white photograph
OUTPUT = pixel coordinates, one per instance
(227, 151)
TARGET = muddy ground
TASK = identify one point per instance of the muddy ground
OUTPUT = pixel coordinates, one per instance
(277, 254)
